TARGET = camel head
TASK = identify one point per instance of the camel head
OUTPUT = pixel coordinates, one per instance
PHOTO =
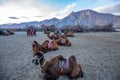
(36, 46)
(38, 58)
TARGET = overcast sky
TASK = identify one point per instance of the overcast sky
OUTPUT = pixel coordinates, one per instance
(17, 11)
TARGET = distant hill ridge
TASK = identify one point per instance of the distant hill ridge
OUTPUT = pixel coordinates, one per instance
(88, 18)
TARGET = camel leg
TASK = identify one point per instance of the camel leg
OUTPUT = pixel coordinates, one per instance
(55, 47)
(49, 77)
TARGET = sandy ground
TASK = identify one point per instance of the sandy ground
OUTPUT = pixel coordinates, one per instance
(98, 54)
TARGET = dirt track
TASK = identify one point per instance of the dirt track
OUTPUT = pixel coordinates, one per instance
(98, 54)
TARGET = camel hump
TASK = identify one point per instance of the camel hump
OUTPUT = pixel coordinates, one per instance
(73, 58)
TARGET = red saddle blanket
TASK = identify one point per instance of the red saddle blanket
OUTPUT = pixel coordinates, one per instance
(50, 44)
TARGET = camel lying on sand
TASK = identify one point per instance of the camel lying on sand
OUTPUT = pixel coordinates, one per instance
(49, 45)
(47, 32)
(11, 32)
(69, 34)
(63, 42)
(60, 39)
(45, 46)
(57, 66)
(54, 36)
(6, 32)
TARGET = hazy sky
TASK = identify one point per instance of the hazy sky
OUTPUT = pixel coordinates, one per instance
(16, 11)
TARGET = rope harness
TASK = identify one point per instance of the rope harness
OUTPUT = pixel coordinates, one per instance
(36, 59)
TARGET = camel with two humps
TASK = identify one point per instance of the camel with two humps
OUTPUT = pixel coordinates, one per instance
(57, 66)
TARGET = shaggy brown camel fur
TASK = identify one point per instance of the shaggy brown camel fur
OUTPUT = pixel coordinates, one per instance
(49, 45)
(36, 47)
(54, 36)
(63, 42)
(59, 65)
(47, 32)
(11, 32)
(69, 34)
(45, 46)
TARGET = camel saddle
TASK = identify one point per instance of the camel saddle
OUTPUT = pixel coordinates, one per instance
(64, 64)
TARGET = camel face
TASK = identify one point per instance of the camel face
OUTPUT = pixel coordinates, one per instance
(38, 58)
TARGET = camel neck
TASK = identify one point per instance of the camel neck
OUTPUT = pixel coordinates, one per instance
(43, 63)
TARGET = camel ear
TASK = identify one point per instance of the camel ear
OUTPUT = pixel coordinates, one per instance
(35, 41)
